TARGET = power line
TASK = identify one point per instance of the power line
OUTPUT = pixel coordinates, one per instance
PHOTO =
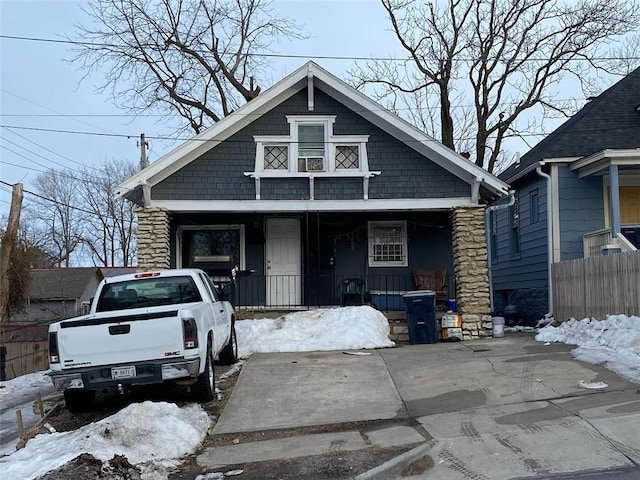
(204, 140)
(62, 204)
(47, 108)
(31, 152)
(48, 150)
(284, 55)
(48, 169)
(73, 115)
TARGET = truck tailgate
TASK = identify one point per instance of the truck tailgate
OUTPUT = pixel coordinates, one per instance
(121, 339)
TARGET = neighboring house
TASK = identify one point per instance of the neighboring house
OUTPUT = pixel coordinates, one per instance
(577, 194)
(326, 196)
(57, 293)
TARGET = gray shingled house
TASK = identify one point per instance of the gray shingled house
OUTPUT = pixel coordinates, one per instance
(57, 293)
(577, 194)
(325, 196)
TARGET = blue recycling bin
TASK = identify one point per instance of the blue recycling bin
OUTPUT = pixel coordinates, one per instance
(420, 306)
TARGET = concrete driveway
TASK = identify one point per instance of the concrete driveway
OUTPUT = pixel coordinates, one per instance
(487, 409)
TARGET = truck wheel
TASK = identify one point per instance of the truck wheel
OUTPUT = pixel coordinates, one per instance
(204, 388)
(79, 400)
(229, 354)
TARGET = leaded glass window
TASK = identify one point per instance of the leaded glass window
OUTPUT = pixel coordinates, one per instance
(347, 157)
(276, 157)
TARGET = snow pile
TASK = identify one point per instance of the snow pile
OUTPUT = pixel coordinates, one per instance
(150, 434)
(28, 385)
(346, 328)
(613, 342)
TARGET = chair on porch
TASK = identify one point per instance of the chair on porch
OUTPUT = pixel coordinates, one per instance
(352, 292)
(435, 280)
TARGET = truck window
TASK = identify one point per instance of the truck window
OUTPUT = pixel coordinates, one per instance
(210, 287)
(147, 292)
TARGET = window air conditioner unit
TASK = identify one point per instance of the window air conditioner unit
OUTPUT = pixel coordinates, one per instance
(314, 164)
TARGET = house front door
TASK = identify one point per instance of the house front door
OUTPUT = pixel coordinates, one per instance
(283, 262)
(630, 205)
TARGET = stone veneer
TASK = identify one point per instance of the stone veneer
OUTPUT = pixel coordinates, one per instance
(470, 265)
(153, 238)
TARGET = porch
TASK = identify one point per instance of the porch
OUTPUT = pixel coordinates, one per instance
(302, 292)
(601, 241)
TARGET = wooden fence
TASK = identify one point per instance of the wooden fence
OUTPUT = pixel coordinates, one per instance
(25, 357)
(597, 286)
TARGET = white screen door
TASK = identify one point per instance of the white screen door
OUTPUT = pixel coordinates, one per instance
(283, 262)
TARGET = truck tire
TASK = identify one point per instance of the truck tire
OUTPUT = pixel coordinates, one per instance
(79, 400)
(204, 388)
(229, 354)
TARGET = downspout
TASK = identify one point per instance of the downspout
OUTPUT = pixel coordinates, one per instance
(487, 226)
(547, 177)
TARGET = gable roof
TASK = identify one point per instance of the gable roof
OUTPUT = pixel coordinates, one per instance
(609, 121)
(68, 283)
(281, 91)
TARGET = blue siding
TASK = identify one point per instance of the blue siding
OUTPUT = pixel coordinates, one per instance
(581, 210)
(219, 173)
(522, 279)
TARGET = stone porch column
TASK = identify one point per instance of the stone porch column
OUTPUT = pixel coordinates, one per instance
(153, 238)
(470, 265)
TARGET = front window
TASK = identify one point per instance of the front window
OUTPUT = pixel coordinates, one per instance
(215, 240)
(387, 244)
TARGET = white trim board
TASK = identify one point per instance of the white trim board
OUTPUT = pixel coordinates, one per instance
(376, 205)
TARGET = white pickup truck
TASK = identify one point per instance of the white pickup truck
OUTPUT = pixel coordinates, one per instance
(143, 328)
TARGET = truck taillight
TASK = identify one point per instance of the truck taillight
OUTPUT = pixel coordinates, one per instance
(190, 332)
(53, 348)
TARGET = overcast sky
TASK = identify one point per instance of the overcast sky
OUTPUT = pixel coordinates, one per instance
(39, 89)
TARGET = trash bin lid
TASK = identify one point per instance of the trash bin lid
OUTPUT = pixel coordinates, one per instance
(419, 293)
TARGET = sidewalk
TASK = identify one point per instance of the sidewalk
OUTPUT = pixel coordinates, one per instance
(496, 408)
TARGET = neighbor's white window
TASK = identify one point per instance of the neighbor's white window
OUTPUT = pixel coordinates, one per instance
(388, 244)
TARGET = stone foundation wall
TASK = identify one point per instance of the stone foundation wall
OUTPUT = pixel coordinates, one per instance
(153, 238)
(472, 277)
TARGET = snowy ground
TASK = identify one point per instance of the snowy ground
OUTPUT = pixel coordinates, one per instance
(154, 435)
(613, 343)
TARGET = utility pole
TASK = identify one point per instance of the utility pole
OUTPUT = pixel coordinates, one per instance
(8, 242)
(143, 152)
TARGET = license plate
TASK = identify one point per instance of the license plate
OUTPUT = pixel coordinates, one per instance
(123, 372)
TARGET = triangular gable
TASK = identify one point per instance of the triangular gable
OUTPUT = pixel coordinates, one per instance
(342, 92)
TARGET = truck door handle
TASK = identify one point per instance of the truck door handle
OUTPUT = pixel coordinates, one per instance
(119, 329)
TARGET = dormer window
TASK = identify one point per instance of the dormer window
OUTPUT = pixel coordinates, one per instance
(347, 157)
(312, 151)
(276, 157)
(311, 147)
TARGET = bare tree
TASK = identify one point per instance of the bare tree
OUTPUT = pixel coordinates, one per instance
(57, 215)
(199, 59)
(109, 232)
(500, 57)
